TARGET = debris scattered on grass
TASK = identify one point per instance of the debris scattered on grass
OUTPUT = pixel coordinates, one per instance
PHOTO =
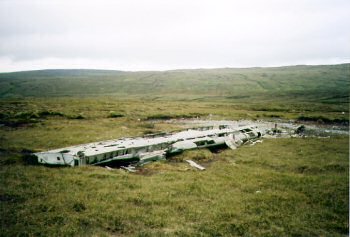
(195, 165)
(129, 168)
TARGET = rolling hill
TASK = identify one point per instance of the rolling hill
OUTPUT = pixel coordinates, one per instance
(328, 83)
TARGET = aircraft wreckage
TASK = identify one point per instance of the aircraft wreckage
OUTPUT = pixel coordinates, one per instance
(142, 150)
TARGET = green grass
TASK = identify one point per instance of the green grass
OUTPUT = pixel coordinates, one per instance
(282, 187)
(328, 84)
(36, 131)
(303, 183)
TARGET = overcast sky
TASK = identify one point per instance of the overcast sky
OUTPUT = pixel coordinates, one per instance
(171, 34)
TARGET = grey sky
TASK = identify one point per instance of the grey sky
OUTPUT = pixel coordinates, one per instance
(170, 34)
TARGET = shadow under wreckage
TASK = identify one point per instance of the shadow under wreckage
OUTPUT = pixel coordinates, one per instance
(142, 150)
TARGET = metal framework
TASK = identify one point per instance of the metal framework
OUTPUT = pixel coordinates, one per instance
(141, 150)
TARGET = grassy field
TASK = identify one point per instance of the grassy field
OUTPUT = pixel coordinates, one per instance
(298, 83)
(281, 187)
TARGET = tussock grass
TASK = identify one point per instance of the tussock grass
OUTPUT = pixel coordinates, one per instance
(26, 118)
(114, 114)
(281, 187)
(284, 187)
(322, 119)
(196, 155)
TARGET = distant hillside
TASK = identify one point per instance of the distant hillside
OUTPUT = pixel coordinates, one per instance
(326, 82)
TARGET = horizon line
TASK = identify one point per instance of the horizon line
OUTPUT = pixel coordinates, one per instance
(176, 69)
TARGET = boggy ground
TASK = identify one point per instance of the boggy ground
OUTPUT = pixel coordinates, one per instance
(281, 187)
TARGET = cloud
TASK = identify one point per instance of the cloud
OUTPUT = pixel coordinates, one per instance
(170, 34)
